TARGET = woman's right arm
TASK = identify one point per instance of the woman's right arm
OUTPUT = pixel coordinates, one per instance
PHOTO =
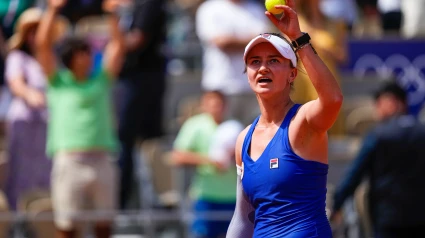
(43, 39)
(242, 224)
(16, 81)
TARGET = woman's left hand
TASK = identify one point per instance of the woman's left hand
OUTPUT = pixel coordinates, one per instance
(288, 23)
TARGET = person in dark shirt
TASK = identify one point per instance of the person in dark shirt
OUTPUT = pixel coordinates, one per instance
(393, 158)
(142, 83)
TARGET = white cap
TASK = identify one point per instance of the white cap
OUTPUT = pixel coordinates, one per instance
(280, 44)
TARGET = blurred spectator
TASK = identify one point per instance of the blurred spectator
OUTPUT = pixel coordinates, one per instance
(10, 10)
(329, 37)
(3, 50)
(142, 83)
(28, 167)
(81, 137)
(413, 18)
(224, 28)
(189, 5)
(311, 12)
(370, 23)
(391, 15)
(213, 186)
(392, 158)
(222, 148)
(340, 10)
(385, 14)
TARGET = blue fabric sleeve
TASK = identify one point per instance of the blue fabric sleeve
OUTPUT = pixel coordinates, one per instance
(356, 172)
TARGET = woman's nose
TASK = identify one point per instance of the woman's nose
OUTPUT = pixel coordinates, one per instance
(264, 68)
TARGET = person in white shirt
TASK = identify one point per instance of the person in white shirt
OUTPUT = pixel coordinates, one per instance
(345, 10)
(391, 15)
(224, 27)
(413, 25)
(222, 148)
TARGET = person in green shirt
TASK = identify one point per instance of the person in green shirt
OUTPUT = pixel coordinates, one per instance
(213, 185)
(81, 136)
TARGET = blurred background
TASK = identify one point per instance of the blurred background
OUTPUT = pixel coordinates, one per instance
(364, 42)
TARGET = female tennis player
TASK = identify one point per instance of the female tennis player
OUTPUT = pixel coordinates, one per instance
(282, 156)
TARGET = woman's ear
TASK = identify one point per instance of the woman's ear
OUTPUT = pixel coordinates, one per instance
(293, 75)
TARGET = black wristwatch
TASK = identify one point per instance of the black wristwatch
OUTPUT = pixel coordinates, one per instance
(301, 42)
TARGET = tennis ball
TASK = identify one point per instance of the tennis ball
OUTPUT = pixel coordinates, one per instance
(270, 6)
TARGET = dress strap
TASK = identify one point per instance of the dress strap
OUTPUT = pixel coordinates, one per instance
(291, 113)
(248, 136)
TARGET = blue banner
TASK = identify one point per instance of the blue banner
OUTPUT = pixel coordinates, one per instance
(402, 59)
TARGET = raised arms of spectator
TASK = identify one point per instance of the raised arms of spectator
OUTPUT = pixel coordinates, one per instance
(44, 36)
(115, 50)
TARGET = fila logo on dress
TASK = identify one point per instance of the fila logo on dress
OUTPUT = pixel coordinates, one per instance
(274, 163)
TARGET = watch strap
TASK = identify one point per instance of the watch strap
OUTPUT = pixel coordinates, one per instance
(301, 41)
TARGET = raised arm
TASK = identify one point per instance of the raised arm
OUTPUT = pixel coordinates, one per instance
(44, 38)
(115, 50)
(321, 113)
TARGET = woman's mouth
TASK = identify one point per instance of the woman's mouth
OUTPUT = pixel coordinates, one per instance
(264, 80)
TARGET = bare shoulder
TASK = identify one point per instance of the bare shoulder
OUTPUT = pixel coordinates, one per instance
(243, 133)
(239, 143)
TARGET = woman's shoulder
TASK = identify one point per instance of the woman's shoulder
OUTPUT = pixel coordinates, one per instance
(239, 145)
(16, 55)
(245, 131)
(242, 135)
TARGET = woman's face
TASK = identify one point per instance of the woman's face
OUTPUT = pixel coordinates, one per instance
(82, 61)
(30, 35)
(214, 105)
(268, 71)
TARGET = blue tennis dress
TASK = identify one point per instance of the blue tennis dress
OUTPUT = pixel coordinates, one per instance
(287, 191)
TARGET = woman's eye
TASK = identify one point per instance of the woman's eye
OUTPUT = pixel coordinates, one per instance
(274, 61)
(255, 62)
